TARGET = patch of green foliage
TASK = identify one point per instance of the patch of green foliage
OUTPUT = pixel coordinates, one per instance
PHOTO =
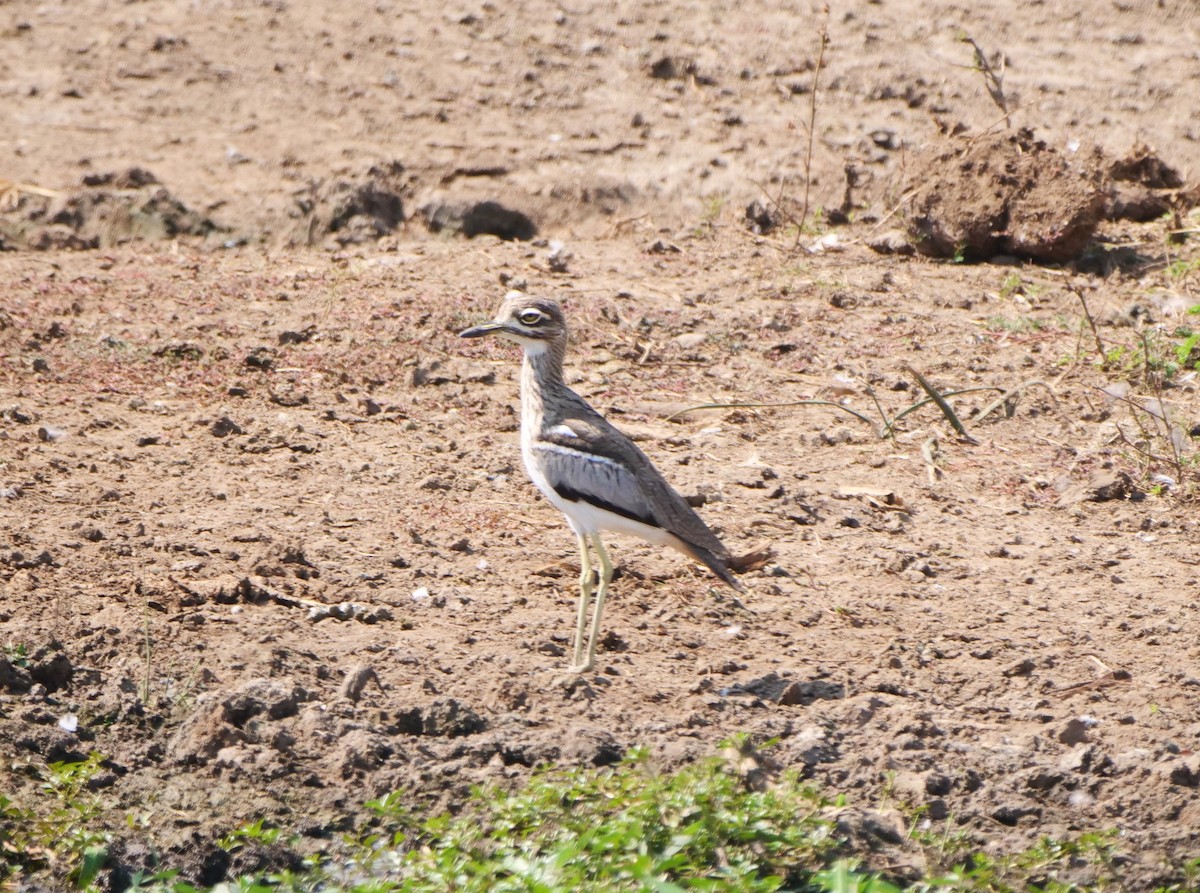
(60, 834)
(627, 828)
(624, 828)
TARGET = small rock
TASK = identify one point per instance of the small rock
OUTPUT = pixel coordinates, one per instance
(49, 434)
(1023, 667)
(892, 241)
(690, 340)
(54, 672)
(261, 358)
(559, 258)
(885, 139)
(1011, 814)
(1076, 730)
(759, 218)
(224, 426)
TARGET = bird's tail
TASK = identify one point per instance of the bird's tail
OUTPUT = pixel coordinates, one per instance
(719, 564)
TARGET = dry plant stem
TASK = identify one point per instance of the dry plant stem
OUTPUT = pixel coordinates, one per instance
(888, 427)
(1174, 460)
(991, 80)
(855, 413)
(1153, 457)
(947, 411)
(823, 36)
(930, 454)
(1018, 391)
(1087, 313)
(145, 693)
(1156, 384)
(928, 400)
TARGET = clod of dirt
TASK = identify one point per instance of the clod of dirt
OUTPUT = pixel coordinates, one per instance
(1187, 772)
(130, 178)
(22, 562)
(1004, 195)
(108, 209)
(477, 218)
(451, 718)
(676, 68)
(222, 719)
(892, 241)
(1143, 166)
(360, 751)
(1144, 187)
(352, 211)
(1102, 486)
(591, 747)
(760, 219)
(13, 678)
(53, 671)
(224, 426)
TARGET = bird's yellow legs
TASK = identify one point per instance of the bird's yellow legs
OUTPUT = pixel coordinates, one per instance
(585, 596)
(578, 664)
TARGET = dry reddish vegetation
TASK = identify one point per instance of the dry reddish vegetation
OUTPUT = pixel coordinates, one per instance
(202, 445)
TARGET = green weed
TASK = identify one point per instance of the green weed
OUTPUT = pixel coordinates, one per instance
(58, 836)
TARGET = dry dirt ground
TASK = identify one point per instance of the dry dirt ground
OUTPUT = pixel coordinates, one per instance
(206, 437)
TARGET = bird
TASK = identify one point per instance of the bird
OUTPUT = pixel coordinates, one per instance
(587, 469)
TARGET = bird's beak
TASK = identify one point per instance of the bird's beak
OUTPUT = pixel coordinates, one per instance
(487, 328)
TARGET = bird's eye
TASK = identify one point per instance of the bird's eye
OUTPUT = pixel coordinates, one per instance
(530, 317)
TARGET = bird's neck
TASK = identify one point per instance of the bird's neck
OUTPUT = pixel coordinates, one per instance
(541, 383)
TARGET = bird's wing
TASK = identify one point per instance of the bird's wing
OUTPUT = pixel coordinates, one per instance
(576, 472)
(593, 460)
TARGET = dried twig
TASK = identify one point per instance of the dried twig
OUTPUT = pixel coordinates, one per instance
(855, 413)
(1087, 313)
(992, 80)
(1018, 391)
(945, 407)
(823, 36)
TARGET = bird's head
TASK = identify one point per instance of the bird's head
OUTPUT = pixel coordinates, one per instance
(534, 323)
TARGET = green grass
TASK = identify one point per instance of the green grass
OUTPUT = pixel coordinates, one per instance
(623, 828)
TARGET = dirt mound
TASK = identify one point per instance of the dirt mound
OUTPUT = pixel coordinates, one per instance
(1144, 187)
(1009, 194)
(108, 209)
(350, 210)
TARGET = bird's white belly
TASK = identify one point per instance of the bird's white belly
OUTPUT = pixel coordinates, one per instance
(584, 517)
